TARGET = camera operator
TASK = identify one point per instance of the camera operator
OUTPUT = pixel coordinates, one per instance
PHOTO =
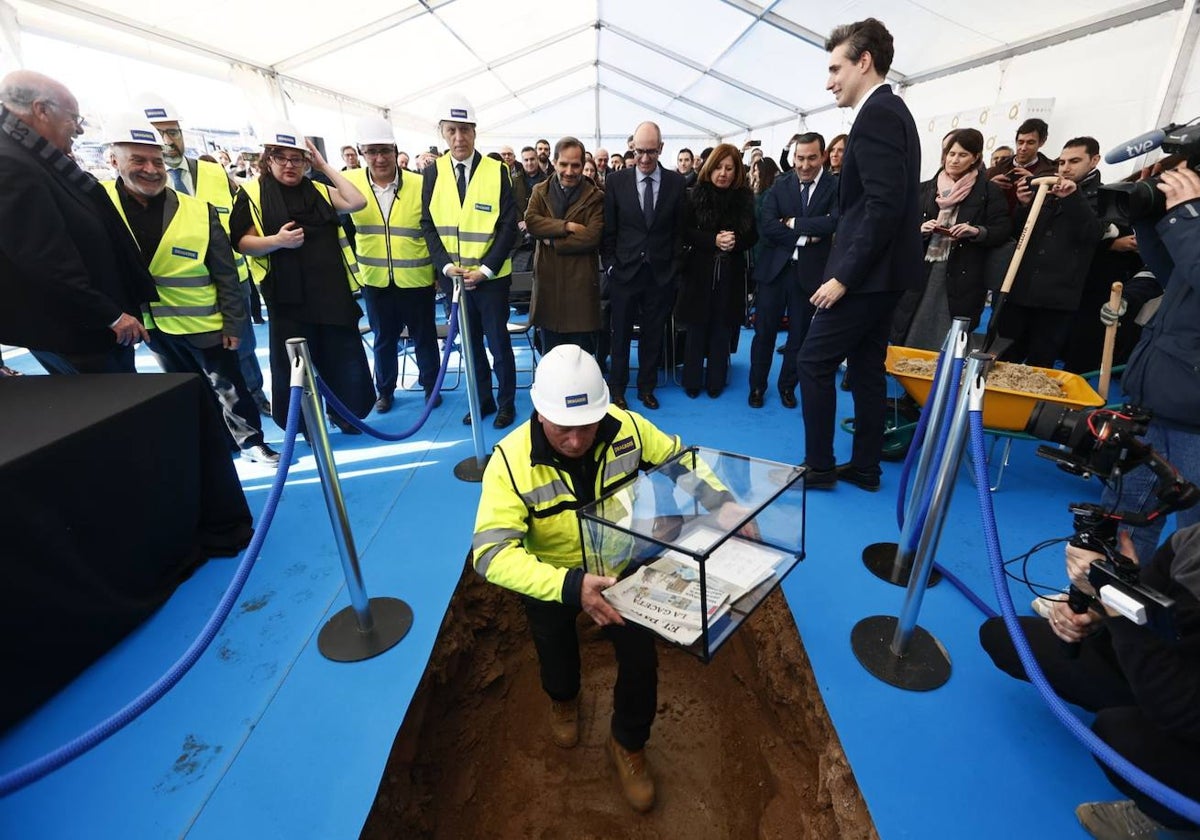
(1144, 690)
(1163, 374)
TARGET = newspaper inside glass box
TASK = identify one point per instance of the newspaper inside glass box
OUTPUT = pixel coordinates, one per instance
(707, 528)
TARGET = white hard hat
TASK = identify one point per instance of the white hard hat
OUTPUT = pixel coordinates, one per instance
(456, 108)
(131, 127)
(156, 108)
(375, 130)
(568, 388)
(282, 133)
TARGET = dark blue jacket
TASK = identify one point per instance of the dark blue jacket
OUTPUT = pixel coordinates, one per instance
(820, 219)
(878, 242)
(628, 242)
(1163, 374)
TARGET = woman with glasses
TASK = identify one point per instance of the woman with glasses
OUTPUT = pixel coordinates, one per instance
(288, 226)
(718, 230)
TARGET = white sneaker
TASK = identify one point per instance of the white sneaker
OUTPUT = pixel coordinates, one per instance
(1042, 605)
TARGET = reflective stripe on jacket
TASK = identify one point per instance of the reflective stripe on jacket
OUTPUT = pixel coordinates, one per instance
(393, 252)
(467, 229)
(526, 529)
(259, 266)
(187, 296)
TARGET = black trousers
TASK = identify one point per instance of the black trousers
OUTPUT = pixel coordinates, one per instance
(1095, 681)
(856, 329)
(635, 694)
(1037, 335)
(551, 339)
(337, 354)
(117, 360)
(487, 313)
(389, 311)
(649, 305)
(771, 301)
(706, 354)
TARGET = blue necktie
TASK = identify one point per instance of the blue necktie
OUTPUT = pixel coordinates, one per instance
(805, 187)
(462, 182)
(648, 200)
(177, 183)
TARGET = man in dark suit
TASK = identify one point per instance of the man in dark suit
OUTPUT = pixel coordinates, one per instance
(469, 220)
(875, 257)
(796, 222)
(641, 251)
(71, 278)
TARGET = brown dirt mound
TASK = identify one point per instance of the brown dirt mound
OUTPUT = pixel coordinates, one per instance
(741, 748)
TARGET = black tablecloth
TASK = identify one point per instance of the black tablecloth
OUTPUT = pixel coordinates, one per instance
(113, 489)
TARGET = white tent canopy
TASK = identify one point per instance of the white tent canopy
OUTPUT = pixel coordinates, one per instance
(705, 70)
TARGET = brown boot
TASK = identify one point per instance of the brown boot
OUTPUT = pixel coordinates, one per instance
(564, 722)
(636, 782)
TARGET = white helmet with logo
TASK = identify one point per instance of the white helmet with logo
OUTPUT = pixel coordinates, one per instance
(375, 131)
(155, 108)
(568, 388)
(282, 133)
(456, 108)
(131, 128)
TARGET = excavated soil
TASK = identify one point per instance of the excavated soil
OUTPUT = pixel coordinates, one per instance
(742, 748)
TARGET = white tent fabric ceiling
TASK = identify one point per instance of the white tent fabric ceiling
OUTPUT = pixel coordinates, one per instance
(704, 69)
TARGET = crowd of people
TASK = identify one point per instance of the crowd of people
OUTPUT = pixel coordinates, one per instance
(838, 244)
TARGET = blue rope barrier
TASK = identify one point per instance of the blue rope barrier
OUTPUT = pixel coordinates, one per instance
(27, 774)
(1128, 771)
(346, 414)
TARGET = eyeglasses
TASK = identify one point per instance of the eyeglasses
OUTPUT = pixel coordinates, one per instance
(76, 117)
(170, 133)
(646, 152)
(289, 160)
(381, 151)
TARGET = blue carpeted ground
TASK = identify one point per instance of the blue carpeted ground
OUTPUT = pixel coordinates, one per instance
(265, 738)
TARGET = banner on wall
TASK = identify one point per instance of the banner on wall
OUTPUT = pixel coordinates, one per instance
(998, 124)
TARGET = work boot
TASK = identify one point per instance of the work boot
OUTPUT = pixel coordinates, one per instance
(564, 722)
(636, 782)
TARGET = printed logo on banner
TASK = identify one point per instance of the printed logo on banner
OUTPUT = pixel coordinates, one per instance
(184, 252)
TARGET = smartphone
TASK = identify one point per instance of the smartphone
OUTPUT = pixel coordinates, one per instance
(433, 150)
(944, 231)
(753, 142)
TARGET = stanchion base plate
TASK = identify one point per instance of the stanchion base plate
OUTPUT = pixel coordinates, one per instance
(469, 469)
(924, 667)
(342, 641)
(880, 560)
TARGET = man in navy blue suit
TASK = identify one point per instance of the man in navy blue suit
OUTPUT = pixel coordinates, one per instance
(876, 256)
(641, 251)
(796, 223)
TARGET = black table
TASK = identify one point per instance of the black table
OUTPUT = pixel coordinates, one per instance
(113, 489)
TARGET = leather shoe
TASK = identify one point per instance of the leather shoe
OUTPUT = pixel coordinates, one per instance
(260, 453)
(787, 396)
(649, 400)
(866, 479)
(620, 403)
(820, 479)
(756, 398)
(634, 774)
(486, 411)
(344, 425)
(504, 418)
(384, 404)
(437, 401)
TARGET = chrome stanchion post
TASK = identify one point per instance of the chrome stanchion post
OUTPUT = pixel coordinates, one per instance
(891, 561)
(369, 626)
(914, 659)
(469, 469)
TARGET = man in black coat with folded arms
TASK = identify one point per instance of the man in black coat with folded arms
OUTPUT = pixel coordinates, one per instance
(876, 256)
(796, 224)
(71, 278)
(641, 253)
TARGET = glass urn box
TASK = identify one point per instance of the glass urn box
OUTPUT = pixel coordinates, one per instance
(697, 543)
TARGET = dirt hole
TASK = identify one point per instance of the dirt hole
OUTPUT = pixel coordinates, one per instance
(742, 748)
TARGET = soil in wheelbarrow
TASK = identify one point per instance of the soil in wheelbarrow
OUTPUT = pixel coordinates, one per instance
(742, 747)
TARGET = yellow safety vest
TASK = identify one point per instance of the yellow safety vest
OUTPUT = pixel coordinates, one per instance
(526, 529)
(259, 266)
(212, 185)
(395, 251)
(468, 228)
(187, 296)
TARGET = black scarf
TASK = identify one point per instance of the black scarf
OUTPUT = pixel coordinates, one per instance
(562, 198)
(310, 211)
(61, 167)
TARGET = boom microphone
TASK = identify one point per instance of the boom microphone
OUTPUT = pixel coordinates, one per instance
(1139, 145)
